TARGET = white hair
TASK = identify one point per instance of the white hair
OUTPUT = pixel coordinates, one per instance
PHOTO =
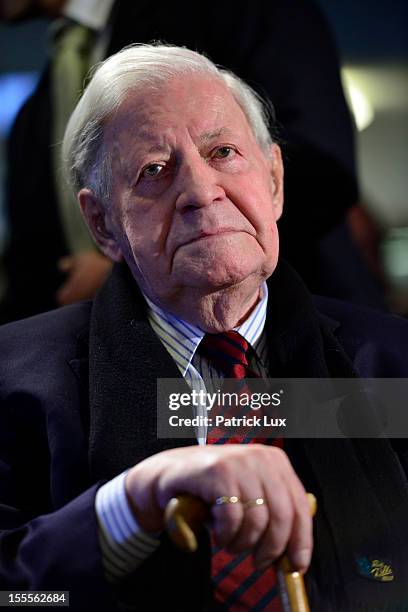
(86, 163)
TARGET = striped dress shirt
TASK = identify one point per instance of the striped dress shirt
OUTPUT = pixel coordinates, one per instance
(124, 544)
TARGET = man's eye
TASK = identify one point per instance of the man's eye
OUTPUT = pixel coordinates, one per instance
(152, 171)
(223, 152)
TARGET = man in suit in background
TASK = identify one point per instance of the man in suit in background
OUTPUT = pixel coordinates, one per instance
(181, 185)
(283, 48)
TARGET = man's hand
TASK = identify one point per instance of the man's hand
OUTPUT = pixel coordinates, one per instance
(86, 273)
(282, 523)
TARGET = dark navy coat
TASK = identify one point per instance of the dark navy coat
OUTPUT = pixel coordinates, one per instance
(78, 406)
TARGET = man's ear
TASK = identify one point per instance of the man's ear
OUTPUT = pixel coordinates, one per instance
(100, 224)
(276, 166)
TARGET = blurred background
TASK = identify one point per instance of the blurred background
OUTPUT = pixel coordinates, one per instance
(373, 46)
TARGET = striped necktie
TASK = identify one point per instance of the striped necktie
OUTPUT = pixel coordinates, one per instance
(237, 585)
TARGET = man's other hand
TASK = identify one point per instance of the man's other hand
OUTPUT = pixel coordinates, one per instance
(282, 523)
(86, 273)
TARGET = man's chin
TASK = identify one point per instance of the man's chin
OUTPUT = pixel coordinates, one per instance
(211, 280)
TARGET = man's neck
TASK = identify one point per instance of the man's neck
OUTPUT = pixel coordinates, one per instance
(218, 311)
(222, 311)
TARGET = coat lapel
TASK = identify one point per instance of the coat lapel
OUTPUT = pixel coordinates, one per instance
(125, 359)
(295, 343)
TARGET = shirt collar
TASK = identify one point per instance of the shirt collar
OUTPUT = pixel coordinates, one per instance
(181, 339)
(91, 13)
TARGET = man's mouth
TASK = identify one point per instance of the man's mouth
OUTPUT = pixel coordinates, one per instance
(210, 234)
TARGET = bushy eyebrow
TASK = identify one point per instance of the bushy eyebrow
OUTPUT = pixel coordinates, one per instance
(206, 137)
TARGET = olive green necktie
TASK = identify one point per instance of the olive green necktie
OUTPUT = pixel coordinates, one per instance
(69, 67)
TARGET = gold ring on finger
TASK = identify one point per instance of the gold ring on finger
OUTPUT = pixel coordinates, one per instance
(225, 499)
(252, 503)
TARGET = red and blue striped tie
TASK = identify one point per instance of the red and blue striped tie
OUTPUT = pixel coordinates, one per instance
(237, 585)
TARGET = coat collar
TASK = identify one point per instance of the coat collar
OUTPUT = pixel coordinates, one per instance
(301, 341)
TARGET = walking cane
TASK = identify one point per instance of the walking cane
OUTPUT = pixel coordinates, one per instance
(184, 517)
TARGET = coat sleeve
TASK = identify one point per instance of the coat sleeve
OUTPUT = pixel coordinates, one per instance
(43, 546)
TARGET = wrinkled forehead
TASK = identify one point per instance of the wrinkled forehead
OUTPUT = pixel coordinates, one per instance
(199, 104)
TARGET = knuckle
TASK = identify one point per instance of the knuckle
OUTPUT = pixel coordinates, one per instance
(281, 456)
(282, 513)
(278, 459)
(257, 448)
(303, 509)
(219, 470)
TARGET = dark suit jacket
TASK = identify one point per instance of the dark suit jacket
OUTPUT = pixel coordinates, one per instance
(78, 406)
(282, 48)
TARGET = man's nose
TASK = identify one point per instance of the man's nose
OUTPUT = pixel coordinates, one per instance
(198, 185)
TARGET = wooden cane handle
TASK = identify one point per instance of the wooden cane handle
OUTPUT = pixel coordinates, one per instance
(184, 517)
(292, 589)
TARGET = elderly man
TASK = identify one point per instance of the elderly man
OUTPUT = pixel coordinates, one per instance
(284, 47)
(181, 185)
